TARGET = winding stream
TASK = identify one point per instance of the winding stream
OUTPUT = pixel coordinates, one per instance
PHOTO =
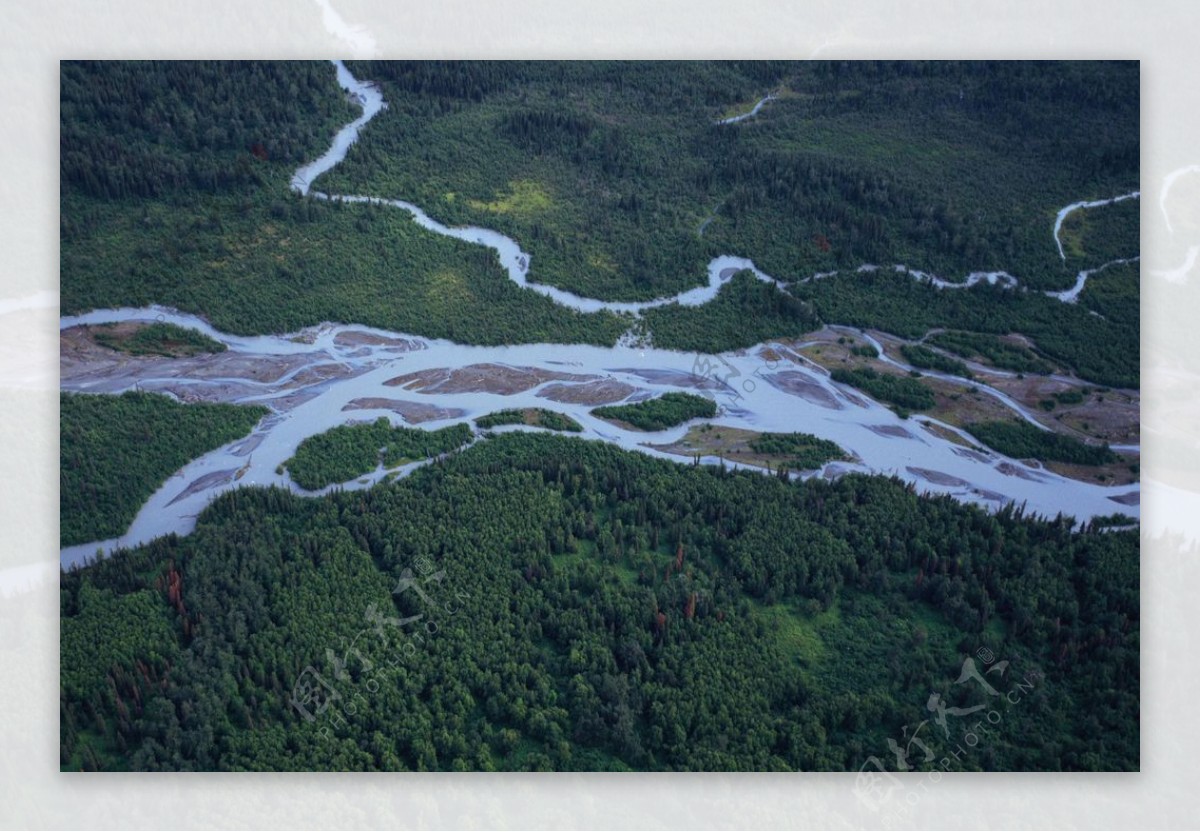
(329, 375)
(1080, 206)
(1072, 295)
(720, 269)
(751, 113)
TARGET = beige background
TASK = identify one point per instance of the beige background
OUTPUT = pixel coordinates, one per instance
(33, 37)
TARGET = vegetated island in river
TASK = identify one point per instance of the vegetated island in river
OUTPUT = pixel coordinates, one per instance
(781, 452)
(537, 417)
(163, 339)
(666, 411)
(348, 451)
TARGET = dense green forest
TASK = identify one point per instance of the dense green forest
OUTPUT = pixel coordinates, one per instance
(666, 411)
(538, 602)
(138, 129)
(1021, 440)
(536, 416)
(617, 179)
(801, 451)
(1115, 519)
(347, 451)
(903, 392)
(115, 451)
(1112, 295)
(745, 312)
(156, 339)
